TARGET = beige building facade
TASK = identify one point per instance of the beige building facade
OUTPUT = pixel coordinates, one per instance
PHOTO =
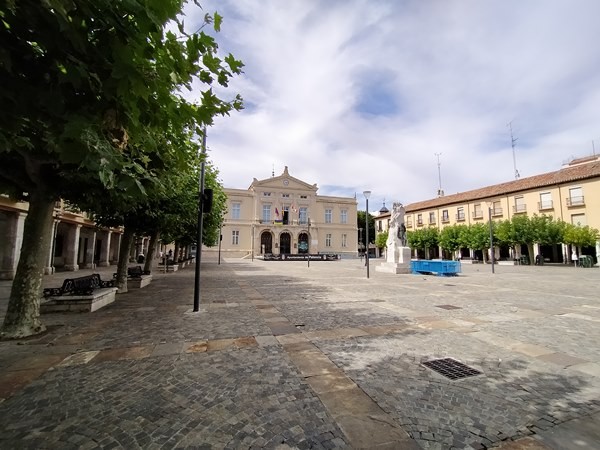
(76, 242)
(571, 194)
(283, 215)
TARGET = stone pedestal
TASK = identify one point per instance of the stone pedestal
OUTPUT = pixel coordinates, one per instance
(139, 282)
(398, 265)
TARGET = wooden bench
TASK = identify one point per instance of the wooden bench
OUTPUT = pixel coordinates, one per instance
(87, 293)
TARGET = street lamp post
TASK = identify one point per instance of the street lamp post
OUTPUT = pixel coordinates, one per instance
(367, 194)
(491, 238)
(308, 249)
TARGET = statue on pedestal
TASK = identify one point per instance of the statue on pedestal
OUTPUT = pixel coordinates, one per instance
(397, 253)
(396, 233)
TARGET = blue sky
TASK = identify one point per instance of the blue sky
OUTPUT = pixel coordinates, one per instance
(360, 95)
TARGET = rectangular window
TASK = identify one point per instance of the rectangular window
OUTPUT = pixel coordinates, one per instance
(266, 215)
(445, 216)
(460, 214)
(545, 201)
(344, 216)
(579, 220)
(496, 209)
(477, 211)
(419, 219)
(303, 215)
(520, 206)
(379, 226)
(266, 194)
(235, 210)
(285, 214)
(344, 240)
(328, 215)
(235, 237)
(431, 218)
(304, 196)
(328, 240)
(575, 197)
(285, 195)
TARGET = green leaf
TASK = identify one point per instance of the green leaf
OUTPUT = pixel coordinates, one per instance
(218, 19)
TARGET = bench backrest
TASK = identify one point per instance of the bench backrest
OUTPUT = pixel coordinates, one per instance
(136, 271)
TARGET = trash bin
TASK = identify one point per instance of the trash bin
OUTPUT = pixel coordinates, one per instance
(585, 261)
(140, 259)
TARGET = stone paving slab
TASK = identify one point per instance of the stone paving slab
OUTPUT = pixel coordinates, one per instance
(283, 356)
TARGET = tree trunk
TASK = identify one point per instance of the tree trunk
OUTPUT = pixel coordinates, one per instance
(151, 250)
(126, 243)
(23, 314)
(176, 253)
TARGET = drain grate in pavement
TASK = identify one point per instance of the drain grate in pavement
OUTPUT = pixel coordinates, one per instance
(451, 368)
(448, 307)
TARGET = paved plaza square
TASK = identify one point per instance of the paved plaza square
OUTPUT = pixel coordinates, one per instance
(282, 355)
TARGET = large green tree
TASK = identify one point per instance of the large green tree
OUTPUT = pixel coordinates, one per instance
(86, 88)
(361, 221)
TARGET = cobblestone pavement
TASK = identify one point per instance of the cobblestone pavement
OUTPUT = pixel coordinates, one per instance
(286, 356)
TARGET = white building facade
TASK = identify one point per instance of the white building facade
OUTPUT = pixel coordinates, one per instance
(283, 215)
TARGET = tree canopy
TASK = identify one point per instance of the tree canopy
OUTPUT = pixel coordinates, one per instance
(91, 94)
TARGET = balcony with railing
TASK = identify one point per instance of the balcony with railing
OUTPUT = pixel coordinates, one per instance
(478, 214)
(575, 201)
(497, 212)
(445, 219)
(460, 217)
(545, 205)
(521, 208)
(432, 221)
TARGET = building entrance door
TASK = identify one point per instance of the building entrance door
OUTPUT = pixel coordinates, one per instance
(303, 243)
(266, 242)
(285, 241)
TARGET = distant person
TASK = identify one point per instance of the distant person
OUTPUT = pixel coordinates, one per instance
(574, 258)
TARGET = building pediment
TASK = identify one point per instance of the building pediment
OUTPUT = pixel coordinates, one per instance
(283, 181)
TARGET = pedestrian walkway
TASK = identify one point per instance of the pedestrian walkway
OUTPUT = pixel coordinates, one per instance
(282, 355)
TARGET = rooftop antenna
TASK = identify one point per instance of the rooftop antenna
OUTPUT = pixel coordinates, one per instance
(440, 190)
(273, 171)
(513, 140)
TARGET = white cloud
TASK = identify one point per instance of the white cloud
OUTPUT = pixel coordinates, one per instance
(447, 77)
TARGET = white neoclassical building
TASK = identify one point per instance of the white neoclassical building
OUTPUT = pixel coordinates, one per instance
(284, 215)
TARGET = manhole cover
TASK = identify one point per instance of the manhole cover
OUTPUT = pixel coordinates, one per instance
(451, 368)
(448, 307)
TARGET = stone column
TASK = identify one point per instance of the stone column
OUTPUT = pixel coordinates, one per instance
(115, 248)
(49, 269)
(90, 251)
(10, 250)
(71, 249)
(536, 251)
(566, 254)
(105, 250)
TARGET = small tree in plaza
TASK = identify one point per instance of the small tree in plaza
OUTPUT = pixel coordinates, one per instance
(450, 238)
(579, 236)
(478, 237)
(423, 239)
(381, 240)
(88, 87)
